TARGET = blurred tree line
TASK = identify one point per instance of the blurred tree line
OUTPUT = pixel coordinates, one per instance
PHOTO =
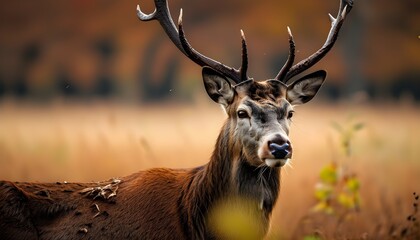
(98, 48)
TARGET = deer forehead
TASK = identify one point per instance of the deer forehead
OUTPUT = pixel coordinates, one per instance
(268, 91)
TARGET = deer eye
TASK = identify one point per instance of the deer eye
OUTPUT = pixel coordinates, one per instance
(290, 114)
(242, 114)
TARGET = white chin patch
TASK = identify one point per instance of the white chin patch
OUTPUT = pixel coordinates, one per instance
(275, 162)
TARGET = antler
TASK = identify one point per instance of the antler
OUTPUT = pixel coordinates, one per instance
(163, 16)
(288, 71)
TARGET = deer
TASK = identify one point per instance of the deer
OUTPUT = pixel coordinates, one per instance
(161, 203)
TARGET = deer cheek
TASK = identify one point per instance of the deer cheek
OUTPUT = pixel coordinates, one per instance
(250, 149)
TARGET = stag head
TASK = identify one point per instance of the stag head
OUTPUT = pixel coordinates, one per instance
(259, 112)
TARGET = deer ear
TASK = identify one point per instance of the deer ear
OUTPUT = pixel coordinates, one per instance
(304, 89)
(218, 87)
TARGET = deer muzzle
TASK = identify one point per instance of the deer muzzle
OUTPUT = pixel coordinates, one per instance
(276, 151)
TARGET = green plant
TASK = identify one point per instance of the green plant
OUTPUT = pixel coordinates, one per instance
(335, 192)
(338, 190)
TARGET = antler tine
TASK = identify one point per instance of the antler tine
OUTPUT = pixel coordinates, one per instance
(163, 16)
(177, 35)
(336, 23)
(145, 17)
(290, 60)
(244, 67)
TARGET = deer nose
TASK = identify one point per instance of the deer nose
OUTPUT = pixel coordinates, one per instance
(280, 148)
(279, 151)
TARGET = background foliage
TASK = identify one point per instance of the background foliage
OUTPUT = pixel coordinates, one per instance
(91, 48)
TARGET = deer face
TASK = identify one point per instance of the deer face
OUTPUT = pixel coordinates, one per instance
(260, 113)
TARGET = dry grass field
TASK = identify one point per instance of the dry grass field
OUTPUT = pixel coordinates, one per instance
(99, 140)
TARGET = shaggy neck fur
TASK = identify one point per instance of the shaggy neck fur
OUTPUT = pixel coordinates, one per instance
(225, 177)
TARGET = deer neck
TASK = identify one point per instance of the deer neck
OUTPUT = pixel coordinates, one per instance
(215, 177)
(259, 184)
(229, 174)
